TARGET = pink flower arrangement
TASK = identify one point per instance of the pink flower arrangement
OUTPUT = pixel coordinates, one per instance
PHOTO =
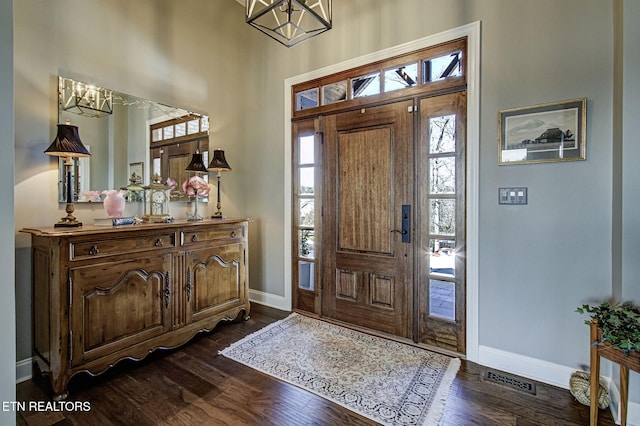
(195, 185)
(171, 183)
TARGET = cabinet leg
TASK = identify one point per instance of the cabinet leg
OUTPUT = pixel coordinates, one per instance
(59, 387)
(61, 396)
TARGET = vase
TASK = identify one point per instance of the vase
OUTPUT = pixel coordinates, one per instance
(195, 217)
(114, 202)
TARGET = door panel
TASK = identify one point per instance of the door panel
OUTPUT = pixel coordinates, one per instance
(364, 171)
(367, 269)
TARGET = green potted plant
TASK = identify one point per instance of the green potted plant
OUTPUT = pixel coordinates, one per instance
(619, 324)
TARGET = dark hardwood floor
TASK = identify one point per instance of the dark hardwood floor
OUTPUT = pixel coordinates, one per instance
(195, 386)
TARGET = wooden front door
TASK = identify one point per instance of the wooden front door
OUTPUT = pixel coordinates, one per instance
(368, 255)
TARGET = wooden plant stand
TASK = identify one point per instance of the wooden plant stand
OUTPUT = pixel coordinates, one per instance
(626, 362)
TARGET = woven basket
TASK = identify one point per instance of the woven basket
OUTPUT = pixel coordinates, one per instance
(580, 387)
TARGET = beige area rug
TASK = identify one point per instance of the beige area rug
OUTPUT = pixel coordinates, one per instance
(386, 381)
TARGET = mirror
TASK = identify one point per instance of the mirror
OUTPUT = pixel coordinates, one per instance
(127, 135)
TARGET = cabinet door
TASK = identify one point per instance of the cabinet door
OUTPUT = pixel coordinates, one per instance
(215, 280)
(116, 305)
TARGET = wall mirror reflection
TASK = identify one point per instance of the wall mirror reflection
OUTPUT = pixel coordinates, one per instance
(130, 140)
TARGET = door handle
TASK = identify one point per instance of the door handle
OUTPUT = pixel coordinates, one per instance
(406, 224)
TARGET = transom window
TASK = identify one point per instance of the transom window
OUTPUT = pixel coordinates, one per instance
(434, 68)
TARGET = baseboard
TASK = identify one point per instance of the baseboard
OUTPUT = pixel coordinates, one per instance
(268, 299)
(24, 370)
(550, 373)
(633, 408)
(532, 368)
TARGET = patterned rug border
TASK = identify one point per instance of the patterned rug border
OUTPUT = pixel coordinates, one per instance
(434, 414)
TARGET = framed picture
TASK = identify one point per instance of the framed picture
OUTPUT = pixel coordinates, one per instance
(138, 169)
(543, 133)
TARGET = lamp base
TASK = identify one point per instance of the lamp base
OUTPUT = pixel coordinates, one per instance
(69, 221)
(67, 224)
(218, 215)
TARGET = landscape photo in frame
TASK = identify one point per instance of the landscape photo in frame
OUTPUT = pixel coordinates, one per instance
(543, 133)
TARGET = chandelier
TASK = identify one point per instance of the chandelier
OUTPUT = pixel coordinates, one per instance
(84, 99)
(289, 22)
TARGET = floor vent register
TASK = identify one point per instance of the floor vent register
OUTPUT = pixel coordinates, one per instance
(510, 381)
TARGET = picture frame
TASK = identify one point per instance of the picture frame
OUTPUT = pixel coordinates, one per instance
(551, 132)
(138, 169)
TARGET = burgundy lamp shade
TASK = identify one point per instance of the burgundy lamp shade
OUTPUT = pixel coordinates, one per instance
(219, 163)
(67, 143)
(196, 165)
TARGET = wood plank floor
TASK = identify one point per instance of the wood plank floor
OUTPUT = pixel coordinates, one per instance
(196, 386)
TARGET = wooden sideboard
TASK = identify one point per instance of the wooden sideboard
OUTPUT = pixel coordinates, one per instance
(102, 294)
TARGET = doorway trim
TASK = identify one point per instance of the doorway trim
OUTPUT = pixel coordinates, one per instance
(472, 32)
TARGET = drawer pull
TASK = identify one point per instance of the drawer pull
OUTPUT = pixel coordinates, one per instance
(158, 242)
(194, 238)
(233, 233)
(94, 250)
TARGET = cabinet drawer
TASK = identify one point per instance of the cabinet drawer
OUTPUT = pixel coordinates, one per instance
(115, 246)
(204, 235)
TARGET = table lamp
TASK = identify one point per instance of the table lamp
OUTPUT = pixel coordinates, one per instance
(67, 145)
(196, 166)
(218, 164)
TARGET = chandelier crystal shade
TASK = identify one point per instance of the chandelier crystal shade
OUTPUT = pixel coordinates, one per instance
(289, 22)
(84, 99)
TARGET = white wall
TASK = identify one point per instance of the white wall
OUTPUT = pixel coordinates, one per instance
(532, 52)
(7, 301)
(537, 262)
(631, 171)
(179, 53)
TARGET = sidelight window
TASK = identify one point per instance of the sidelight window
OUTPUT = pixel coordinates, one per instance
(305, 209)
(441, 166)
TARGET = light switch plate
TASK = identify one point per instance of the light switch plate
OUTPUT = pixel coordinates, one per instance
(513, 196)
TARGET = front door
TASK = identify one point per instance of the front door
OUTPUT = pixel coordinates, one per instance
(367, 233)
